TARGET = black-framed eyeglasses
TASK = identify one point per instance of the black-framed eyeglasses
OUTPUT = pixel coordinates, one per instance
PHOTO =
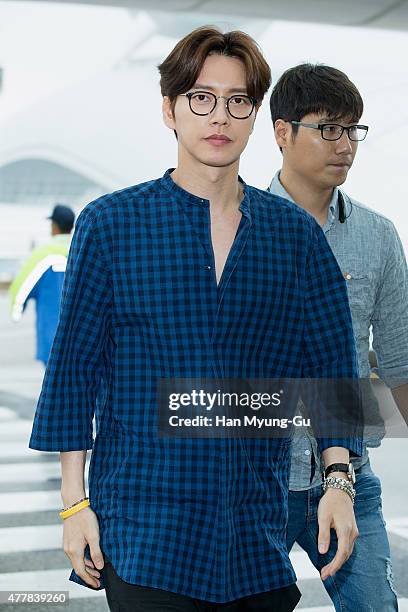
(334, 131)
(239, 106)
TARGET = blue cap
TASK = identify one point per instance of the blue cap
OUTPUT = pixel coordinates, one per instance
(63, 216)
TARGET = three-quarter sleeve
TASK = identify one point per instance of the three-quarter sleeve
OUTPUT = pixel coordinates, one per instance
(390, 317)
(329, 350)
(65, 409)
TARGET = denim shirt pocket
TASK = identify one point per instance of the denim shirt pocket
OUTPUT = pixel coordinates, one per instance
(361, 295)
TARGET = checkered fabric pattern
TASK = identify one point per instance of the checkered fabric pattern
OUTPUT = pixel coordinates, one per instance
(201, 517)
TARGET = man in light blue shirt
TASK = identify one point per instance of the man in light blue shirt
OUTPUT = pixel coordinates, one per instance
(316, 113)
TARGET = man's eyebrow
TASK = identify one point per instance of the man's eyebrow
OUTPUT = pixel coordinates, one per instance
(232, 90)
(336, 120)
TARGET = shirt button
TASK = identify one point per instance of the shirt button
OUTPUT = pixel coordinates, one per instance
(208, 267)
(347, 275)
(307, 452)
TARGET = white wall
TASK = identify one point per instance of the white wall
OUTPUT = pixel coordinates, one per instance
(66, 94)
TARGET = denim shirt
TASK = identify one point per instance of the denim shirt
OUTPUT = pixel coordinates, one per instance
(370, 255)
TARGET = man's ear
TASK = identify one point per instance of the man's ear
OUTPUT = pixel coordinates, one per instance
(168, 115)
(282, 132)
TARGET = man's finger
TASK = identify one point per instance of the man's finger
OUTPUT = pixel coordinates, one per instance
(341, 557)
(90, 568)
(96, 553)
(80, 569)
(324, 536)
(93, 572)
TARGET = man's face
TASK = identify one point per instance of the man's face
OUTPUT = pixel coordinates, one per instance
(222, 76)
(326, 163)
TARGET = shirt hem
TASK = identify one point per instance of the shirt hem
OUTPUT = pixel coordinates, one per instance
(191, 593)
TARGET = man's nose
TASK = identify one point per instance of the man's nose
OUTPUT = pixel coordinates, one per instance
(220, 112)
(344, 144)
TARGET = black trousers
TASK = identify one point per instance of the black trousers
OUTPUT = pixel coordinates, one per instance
(125, 597)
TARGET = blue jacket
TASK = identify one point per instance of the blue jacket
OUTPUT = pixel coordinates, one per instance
(41, 278)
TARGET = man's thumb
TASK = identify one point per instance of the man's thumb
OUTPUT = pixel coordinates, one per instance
(96, 556)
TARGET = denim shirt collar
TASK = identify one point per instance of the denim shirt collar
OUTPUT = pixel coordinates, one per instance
(278, 189)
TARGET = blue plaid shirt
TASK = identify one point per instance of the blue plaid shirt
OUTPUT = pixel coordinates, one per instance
(201, 517)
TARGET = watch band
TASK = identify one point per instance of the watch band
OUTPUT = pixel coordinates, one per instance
(336, 467)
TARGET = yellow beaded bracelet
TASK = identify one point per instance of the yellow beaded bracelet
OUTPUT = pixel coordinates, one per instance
(75, 508)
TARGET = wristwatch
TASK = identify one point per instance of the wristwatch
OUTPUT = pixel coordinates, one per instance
(342, 467)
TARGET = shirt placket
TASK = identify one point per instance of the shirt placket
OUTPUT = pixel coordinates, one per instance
(234, 255)
(198, 214)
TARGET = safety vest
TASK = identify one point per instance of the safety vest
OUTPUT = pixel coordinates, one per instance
(40, 278)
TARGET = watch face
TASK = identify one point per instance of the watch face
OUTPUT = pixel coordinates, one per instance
(352, 473)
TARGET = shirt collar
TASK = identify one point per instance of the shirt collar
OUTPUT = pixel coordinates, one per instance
(180, 193)
(278, 189)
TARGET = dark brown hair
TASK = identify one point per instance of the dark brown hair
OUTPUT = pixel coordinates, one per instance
(180, 70)
(315, 88)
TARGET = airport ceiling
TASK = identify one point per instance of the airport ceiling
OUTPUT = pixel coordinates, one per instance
(390, 14)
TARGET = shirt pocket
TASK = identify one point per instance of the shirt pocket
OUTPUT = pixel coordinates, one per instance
(361, 295)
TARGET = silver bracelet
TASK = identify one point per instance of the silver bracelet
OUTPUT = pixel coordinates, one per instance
(333, 482)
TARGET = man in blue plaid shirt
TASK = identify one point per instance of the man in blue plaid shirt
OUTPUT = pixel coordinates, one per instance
(195, 274)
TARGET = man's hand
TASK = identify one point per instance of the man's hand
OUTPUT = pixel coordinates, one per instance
(336, 511)
(80, 529)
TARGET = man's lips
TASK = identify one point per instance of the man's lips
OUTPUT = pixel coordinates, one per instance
(218, 139)
(341, 164)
